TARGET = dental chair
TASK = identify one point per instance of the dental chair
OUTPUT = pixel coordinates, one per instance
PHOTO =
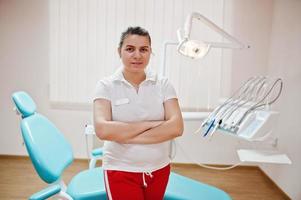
(51, 154)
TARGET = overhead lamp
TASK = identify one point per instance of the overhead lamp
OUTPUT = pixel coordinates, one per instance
(197, 49)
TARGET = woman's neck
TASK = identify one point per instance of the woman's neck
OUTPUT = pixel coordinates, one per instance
(134, 78)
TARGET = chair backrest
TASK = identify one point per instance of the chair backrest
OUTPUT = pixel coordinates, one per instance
(49, 151)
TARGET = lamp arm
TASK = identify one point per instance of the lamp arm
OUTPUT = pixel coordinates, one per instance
(163, 71)
(179, 35)
(187, 30)
(226, 45)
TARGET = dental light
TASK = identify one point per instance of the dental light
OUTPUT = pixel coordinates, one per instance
(197, 49)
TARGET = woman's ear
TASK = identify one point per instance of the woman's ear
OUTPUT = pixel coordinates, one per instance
(119, 51)
(152, 53)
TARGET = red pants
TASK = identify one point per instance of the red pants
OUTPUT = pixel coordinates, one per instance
(122, 185)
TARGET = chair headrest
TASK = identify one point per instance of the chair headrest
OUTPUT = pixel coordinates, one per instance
(24, 103)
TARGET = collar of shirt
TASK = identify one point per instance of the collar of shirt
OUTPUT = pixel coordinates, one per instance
(118, 76)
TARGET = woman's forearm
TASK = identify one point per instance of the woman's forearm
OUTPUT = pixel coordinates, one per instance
(166, 131)
(122, 131)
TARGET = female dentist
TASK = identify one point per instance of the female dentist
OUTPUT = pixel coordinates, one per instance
(136, 113)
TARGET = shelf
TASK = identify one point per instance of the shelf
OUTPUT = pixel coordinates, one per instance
(263, 156)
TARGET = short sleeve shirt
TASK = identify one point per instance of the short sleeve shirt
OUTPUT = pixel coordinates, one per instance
(130, 105)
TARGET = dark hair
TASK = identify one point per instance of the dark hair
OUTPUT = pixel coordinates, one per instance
(137, 30)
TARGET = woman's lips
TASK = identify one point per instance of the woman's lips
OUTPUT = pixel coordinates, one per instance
(136, 63)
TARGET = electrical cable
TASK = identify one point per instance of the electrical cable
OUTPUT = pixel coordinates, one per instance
(205, 165)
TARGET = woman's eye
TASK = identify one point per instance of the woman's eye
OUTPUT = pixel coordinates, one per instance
(129, 49)
(144, 50)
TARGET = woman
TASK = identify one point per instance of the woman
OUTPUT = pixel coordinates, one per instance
(137, 114)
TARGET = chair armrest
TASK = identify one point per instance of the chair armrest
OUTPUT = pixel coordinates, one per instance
(96, 154)
(46, 193)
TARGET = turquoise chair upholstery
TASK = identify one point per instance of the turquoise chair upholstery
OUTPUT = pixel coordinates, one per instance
(180, 188)
(51, 154)
(86, 183)
(47, 192)
(47, 147)
(24, 103)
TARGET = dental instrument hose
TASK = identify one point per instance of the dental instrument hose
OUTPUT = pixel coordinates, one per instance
(205, 165)
(226, 113)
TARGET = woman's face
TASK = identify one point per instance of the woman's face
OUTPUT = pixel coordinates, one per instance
(135, 53)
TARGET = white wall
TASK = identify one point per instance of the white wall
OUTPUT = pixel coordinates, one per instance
(285, 62)
(238, 66)
(24, 65)
(251, 22)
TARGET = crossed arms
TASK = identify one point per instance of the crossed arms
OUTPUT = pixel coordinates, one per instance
(145, 132)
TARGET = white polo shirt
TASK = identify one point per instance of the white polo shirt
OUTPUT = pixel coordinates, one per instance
(128, 105)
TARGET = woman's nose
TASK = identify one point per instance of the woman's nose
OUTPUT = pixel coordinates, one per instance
(137, 54)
